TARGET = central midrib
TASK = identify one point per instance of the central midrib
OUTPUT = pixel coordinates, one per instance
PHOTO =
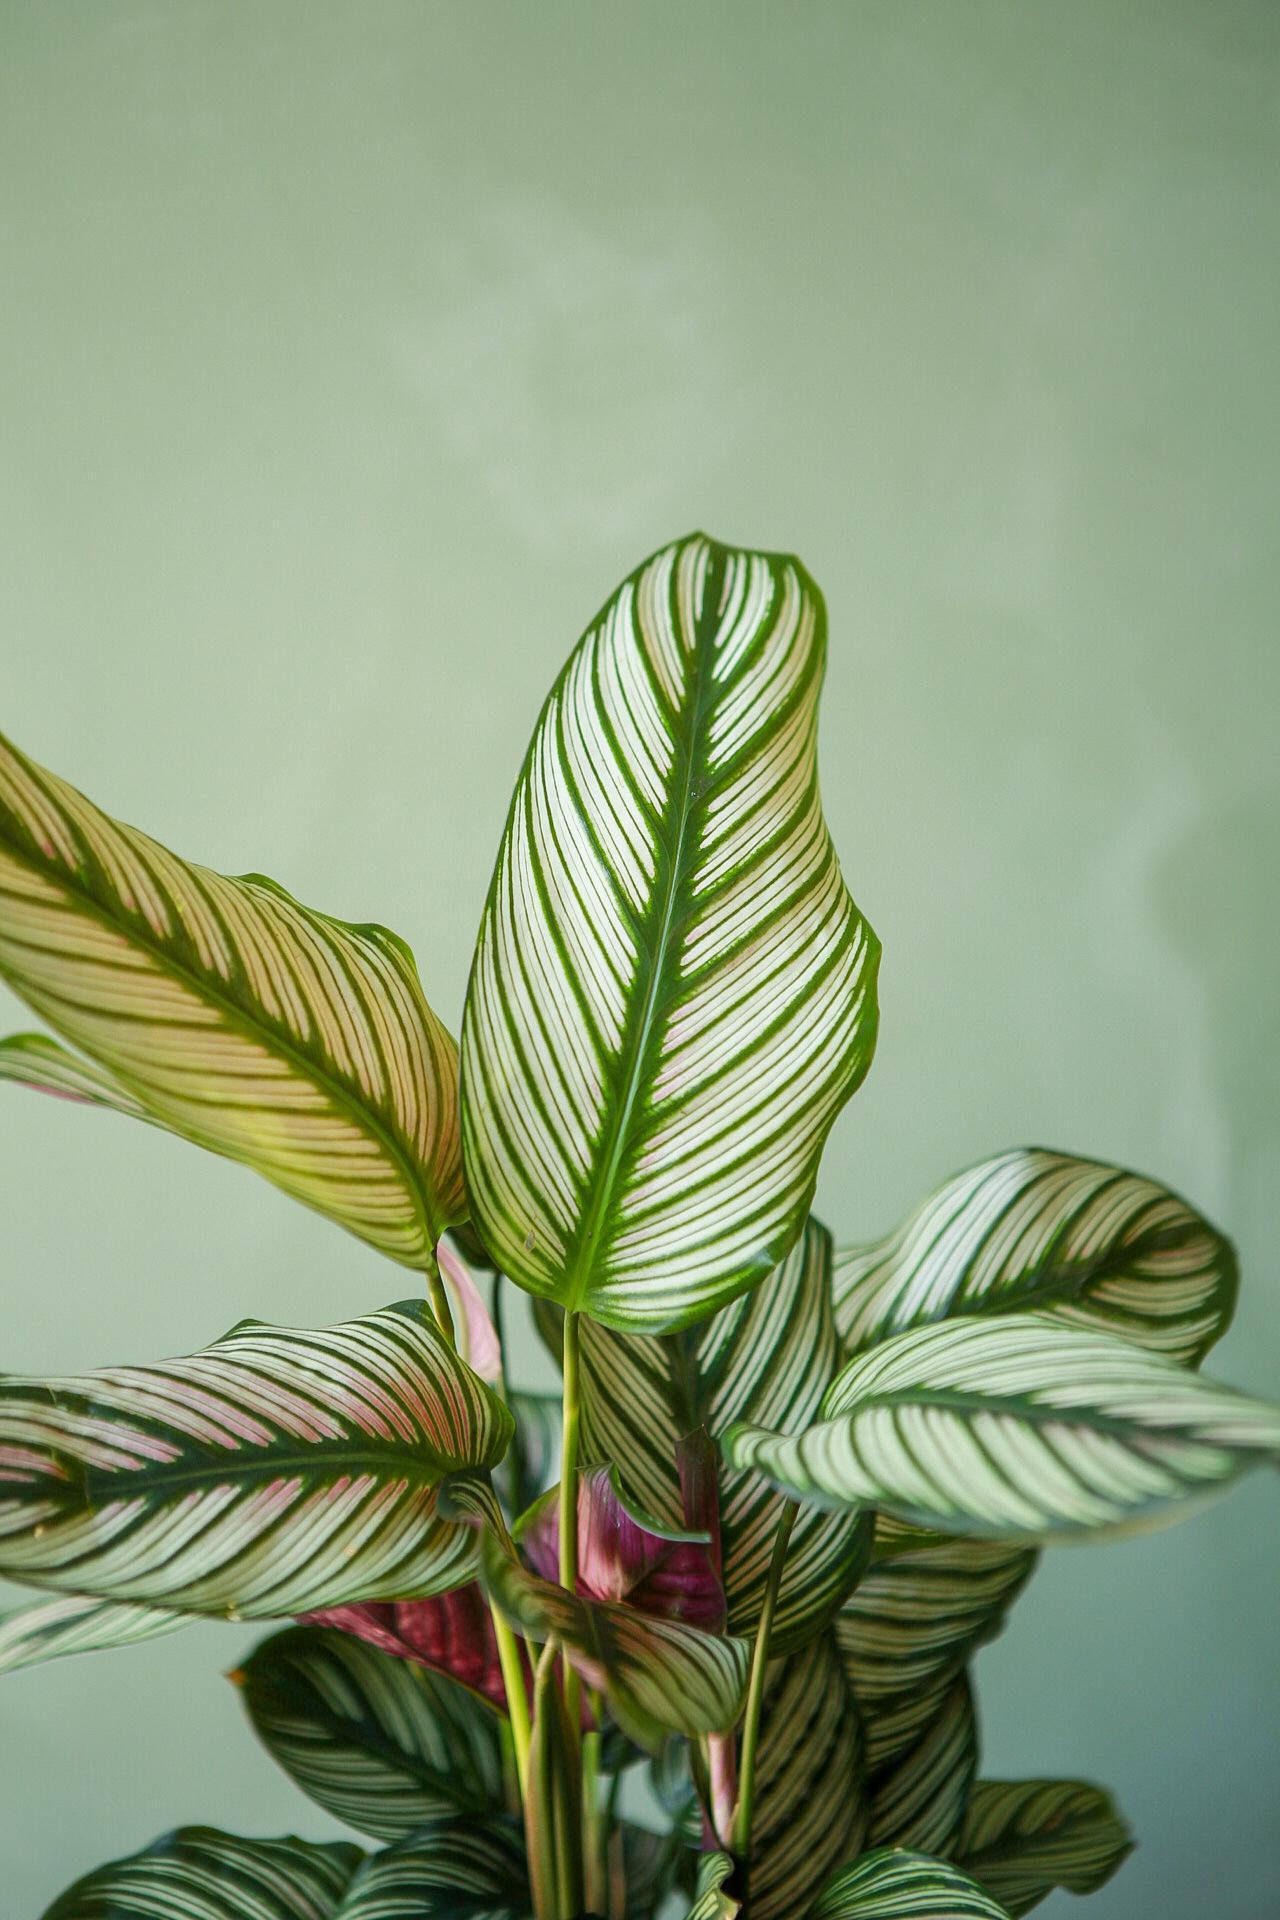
(639, 1047)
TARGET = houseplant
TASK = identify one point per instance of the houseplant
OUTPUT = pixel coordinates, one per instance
(788, 1488)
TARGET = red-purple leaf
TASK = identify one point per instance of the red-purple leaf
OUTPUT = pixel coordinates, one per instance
(452, 1634)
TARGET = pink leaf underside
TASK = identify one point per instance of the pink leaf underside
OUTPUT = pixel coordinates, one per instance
(452, 1633)
(621, 1558)
(479, 1340)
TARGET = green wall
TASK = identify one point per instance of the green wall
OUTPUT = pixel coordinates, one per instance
(349, 353)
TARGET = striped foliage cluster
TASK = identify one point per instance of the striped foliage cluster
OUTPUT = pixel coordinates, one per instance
(226, 1011)
(800, 1487)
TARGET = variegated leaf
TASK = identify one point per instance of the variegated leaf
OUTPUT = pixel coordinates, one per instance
(279, 1471)
(376, 1741)
(1023, 1838)
(34, 1060)
(71, 1623)
(451, 1869)
(811, 1808)
(772, 1355)
(198, 1873)
(1017, 1427)
(715, 1898)
(914, 1620)
(1091, 1244)
(895, 1884)
(673, 994)
(658, 1676)
(919, 1798)
(231, 1014)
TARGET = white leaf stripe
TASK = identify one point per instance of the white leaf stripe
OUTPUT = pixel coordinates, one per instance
(893, 1883)
(198, 1873)
(73, 1624)
(916, 1618)
(377, 1741)
(672, 993)
(234, 1015)
(659, 1676)
(1096, 1246)
(811, 1809)
(1023, 1838)
(278, 1472)
(714, 1899)
(1017, 1427)
(462, 1869)
(919, 1800)
(774, 1354)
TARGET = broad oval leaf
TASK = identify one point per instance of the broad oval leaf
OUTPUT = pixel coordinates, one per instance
(279, 1471)
(231, 1014)
(1090, 1243)
(915, 1619)
(919, 1798)
(451, 1869)
(811, 1810)
(72, 1623)
(1017, 1427)
(772, 1355)
(893, 1883)
(659, 1676)
(379, 1743)
(1023, 1838)
(672, 994)
(198, 1873)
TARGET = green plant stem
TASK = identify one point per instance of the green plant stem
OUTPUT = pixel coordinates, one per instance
(755, 1686)
(569, 1506)
(517, 1698)
(440, 1306)
(594, 1831)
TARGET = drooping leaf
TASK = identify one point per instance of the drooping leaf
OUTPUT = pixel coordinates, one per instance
(451, 1869)
(1017, 1427)
(379, 1743)
(73, 1624)
(915, 1619)
(669, 1573)
(452, 1633)
(232, 1015)
(714, 1898)
(1032, 1229)
(198, 1873)
(811, 1809)
(771, 1355)
(919, 1798)
(673, 994)
(1023, 1838)
(279, 1471)
(894, 1884)
(659, 1676)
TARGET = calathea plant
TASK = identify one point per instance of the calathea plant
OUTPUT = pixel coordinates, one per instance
(798, 1483)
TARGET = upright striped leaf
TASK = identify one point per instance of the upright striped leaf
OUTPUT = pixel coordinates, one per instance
(198, 1873)
(811, 1810)
(451, 1869)
(231, 1014)
(771, 1355)
(894, 1884)
(1017, 1427)
(919, 1798)
(673, 994)
(379, 1743)
(914, 1621)
(277, 1472)
(73, 1624)
(1023, 1838)
(659, 1676)
(1091, 1244)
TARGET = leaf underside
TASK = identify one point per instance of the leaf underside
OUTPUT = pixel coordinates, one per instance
(672, 994)
(229, 1013)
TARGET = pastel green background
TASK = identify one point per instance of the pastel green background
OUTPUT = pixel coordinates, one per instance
(350, 353)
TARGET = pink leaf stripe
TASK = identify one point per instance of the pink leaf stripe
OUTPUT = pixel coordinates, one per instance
(277, 1472)
(232, 1014)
